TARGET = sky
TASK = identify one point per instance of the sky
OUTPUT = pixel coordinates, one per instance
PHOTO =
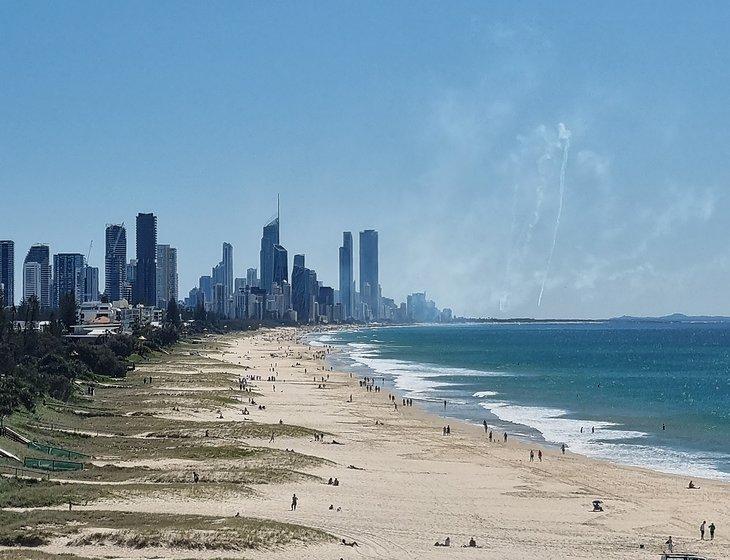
(445, 126)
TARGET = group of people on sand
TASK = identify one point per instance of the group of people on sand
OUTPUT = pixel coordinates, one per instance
(369, 384)
(447, 542)
(704, 529)
(333, 482)
(532, 455)
(492, 438)
(446, 430)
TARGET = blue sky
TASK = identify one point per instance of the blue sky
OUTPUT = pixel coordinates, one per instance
(437, 124)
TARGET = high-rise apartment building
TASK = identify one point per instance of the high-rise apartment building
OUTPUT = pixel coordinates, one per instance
(346, 274)
(40, 254)
(227, 263)
(91, 283)
(145, 285)
(299, 278)
(7, 272)
(269, 239)
(281, 265)
(252, 279)
(32, 281)
(69, 276)
(115, 262)
(369, 285)
(167, 283)
(205, 285)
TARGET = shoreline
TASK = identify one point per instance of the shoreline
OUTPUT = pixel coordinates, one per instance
(403, 484)
(533, 423)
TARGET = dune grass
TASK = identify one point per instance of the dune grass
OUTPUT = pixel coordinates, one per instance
(30, 493)
(147, 530)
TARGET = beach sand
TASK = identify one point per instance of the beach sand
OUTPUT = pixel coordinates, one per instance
(414, 486)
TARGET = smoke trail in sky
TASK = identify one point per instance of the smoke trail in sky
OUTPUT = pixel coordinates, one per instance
(564, 135)
(504, 296)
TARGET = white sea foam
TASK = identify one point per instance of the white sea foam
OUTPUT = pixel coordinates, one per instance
(607, 442)
(423, 381)
(416, 379)
(485, 394)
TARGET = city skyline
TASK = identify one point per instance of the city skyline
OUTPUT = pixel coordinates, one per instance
(151, 279)
(447, 135)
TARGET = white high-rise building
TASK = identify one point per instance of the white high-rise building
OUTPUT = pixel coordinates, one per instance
(32, 275)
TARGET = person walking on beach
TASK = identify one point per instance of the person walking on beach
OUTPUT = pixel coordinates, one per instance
(670, 544)
(271, 440)
(486, 429)
(539, 455)
(505, 437)
(490, 436)
(712, 531)
(448, 430)
(532, 456)
(702, 530)
(294, 501)
(562, 448)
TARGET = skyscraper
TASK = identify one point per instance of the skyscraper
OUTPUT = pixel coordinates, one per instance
(227, 263)
(32, 280)
(346, 279)
(281, 265)
(252, 279)
(115, 262)
(205, 285)
(310, 296)
(69, 276)
(166, 275)
(304, 290)
(299, 288)
(91, 283)
(369, 286)
(269, 238)
(145, 285)
(40, 254)
(7, 272)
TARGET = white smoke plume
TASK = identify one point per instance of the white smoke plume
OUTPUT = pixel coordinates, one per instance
(564, 135)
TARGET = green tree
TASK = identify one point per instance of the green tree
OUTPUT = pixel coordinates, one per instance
(172, 316)
(67, 310)
(200, 313)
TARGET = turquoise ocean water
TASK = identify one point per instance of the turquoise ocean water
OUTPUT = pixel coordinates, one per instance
(657, 394)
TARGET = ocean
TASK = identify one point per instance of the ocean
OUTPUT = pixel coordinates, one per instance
(656, 394)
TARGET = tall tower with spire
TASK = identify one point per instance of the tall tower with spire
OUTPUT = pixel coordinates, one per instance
(269, 239)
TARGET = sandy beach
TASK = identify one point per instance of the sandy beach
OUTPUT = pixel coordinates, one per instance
(412, 486)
